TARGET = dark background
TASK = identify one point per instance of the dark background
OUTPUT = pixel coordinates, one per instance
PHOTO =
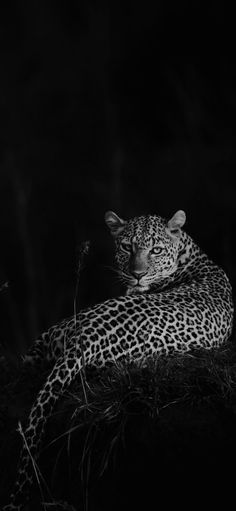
(108, 105)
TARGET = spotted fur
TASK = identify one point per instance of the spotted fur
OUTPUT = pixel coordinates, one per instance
(176, 299)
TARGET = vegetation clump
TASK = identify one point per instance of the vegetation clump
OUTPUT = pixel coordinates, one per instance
(170, 416)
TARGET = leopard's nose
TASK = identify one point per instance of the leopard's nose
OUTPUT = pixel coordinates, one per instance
(138, 274)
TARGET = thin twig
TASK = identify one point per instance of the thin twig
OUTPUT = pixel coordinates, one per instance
(83, 251)
(35, 466)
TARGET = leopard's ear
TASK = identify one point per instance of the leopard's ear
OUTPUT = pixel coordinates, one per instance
(176, 222)
(114, 222)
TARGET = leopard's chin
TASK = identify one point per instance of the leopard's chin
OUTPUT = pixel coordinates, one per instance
(137, 289)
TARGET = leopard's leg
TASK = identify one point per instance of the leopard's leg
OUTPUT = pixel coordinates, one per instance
(37, 354)
(65, 370)
(51, 344)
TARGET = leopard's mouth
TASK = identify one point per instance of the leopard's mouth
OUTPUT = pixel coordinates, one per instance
(139, 287)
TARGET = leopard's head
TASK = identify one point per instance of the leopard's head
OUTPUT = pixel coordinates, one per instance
(147, 248)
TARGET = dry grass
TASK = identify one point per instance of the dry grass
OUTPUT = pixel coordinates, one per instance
(123, 402)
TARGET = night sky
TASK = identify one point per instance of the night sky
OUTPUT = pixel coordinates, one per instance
(108, 105)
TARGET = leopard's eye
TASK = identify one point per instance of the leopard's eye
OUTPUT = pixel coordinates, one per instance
(157, 250)
(125, 245)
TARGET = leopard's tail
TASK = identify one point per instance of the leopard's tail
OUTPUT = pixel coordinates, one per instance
(63, 373)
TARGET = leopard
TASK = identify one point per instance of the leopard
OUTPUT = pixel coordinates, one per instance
(176, 300)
